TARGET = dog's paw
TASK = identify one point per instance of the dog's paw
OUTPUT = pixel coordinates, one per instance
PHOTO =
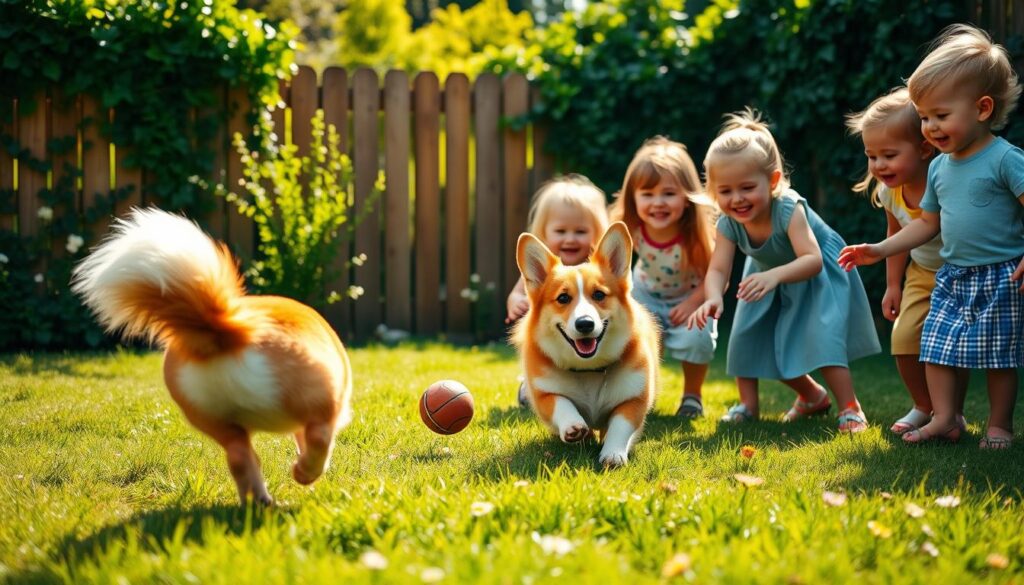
(611, 459)
(301, 476)
(575, 432)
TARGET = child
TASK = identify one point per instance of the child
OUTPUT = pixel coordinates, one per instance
(671, 228)
(569, 215)
(898, 157)
(963, 90)
(793, 316)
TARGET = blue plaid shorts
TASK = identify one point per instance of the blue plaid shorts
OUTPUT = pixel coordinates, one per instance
(976, 319)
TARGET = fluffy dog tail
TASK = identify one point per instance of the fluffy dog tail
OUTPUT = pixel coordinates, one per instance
(158, 276)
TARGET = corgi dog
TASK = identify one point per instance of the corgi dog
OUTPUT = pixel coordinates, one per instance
(234, 363)
(590, 352)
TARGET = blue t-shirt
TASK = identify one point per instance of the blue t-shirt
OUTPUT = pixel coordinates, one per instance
(977, 199)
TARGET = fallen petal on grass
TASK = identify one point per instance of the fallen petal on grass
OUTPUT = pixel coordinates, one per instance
(913, 510)
(947, 501)
(748, 480)
(675, 566)
(997, 561)
(478, 509)
(373, 560)
(836, 499)
(930, 549)
(748, 451)
(878, 529)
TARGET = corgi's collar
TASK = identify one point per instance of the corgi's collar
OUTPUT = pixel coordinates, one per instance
(603, 370)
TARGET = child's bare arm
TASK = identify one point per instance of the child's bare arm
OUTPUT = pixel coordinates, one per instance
(915, 233)
(895, 270)
(518, 303)
(715, 282)
(806, 264)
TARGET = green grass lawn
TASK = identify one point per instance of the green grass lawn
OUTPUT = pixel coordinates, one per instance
(102, 480)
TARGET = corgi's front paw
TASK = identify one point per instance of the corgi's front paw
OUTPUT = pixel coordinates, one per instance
(612, 458)
(574, 432)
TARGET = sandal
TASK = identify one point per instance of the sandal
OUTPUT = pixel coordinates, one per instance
(738, 413)
(691, 407)
(920, 435)
(524, 400)
(802, 409)
(995, 442)
(851, 419)
(911, 421)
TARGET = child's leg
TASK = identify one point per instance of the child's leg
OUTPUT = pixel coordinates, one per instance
(963, 378)
(942, 390)
(749, 395)
(691, 405)
(806, 387)
(1002, 396)
(912, 372)
(851, 416)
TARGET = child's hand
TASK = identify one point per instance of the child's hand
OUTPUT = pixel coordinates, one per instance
(517, 306)
(851, 257)
(699, 318)
(891, 302)
(756, 286)
(1018, 274)
(680, 313)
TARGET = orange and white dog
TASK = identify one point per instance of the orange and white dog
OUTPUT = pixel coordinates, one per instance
(234, 363)
(590, 352)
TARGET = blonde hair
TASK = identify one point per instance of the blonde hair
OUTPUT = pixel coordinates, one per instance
(966, 56)
(572, 190)
(745, 134)
(896, 113)
(657, 158)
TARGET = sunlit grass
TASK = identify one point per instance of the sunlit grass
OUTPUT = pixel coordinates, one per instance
(101, 479)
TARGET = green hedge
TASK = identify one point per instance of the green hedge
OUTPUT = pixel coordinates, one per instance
(156, 63)
(625, 70)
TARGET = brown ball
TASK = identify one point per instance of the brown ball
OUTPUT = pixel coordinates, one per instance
(446, 407)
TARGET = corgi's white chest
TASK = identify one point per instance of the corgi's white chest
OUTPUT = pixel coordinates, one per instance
(594, 394)
(240, 388)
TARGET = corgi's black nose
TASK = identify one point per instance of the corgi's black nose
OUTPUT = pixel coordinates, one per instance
(584, 324)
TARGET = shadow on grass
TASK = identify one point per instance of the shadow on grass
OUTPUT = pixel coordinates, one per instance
(153, 531)
(865, 463)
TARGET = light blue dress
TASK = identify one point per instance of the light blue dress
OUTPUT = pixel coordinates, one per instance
(800, 326)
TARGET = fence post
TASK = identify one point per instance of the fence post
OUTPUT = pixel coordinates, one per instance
(456, 208)
(397, 242)
(32, 134)
(428, 217)
(334, 101)
(366, 111)
(489, 205)
(9, 129)
(515, 103)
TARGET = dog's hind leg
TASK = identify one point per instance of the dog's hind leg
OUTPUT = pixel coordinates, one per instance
(314, 451)
(623, 428)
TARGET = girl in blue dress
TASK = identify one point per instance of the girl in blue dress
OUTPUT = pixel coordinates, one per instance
(798, 311)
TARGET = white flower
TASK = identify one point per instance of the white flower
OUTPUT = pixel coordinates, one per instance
(359, 260)
(474, 278)
(465, 293)
(432, 574)
(481, 508)
(929, 549)
(836, 499)
(913, 510)
(39, 277)
(553, 545)
(45, 213)
(474, 296)
(373, 560)
(74, 243)
(4, 259)
(355, 291)
(947, 501)
(490, 285)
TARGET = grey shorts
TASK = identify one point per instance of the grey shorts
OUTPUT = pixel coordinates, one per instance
(696, 346)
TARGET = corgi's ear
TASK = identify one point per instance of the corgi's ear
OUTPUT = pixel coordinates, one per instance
(534, 259)
(615, 251)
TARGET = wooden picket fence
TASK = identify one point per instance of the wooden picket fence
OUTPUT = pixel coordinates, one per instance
(432, 228)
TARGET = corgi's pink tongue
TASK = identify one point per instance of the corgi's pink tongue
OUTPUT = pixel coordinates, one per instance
(586, 346)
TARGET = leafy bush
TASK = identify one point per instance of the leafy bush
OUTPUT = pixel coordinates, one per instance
(299, 205)
(624, 70)
(157, 63)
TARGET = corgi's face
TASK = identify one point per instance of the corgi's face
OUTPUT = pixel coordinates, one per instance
(580, 316)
